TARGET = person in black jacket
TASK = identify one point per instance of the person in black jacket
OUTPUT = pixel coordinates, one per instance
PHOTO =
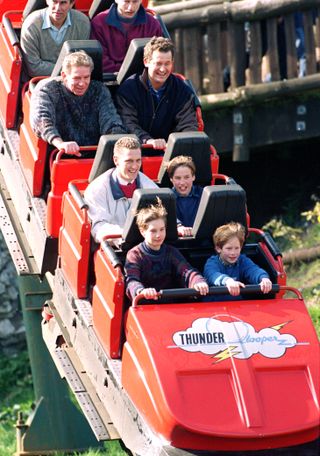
(156, 103)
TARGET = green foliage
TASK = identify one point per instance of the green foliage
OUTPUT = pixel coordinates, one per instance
(17, 395)
(315, 315)
(313, 216)
(7, 440)
(305, 233)
(112, 448)
(17, 370)
(285, 235)
(15, 386)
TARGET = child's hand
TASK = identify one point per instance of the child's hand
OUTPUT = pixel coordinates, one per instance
(184, 231)
(149, 293)
(202, 287)
(234, 286)
(265, 285)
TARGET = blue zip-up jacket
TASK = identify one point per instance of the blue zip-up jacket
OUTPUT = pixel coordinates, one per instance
(187, 206)
(244, 270)
(143, 115)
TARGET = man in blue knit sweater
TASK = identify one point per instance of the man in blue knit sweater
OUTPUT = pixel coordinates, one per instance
(73, 110)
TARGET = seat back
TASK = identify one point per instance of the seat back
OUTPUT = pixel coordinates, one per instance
(10, 75)
(97, 6)
(133, 61)
(142, 198)
(91, 47)
(108, 301)
(219, 204)
(193, 144)
(103, 159)
(74, 240)
(62, 172)
(33, 5)
(34, 152)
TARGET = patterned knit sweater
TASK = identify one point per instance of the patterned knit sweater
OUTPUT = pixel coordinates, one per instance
(57, 112)
(159, 269)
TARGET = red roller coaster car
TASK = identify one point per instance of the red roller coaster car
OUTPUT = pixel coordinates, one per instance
(178, 377)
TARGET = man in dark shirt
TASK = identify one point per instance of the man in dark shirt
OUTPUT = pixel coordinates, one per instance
(156, 103)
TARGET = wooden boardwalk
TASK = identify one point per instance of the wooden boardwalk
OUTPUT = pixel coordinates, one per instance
(246, 62)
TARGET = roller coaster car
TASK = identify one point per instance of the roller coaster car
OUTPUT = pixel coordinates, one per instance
(220, 375)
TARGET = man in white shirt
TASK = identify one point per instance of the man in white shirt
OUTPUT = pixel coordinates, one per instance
(109, 195)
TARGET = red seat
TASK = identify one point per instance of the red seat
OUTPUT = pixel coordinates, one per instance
(108, 303)
(74, 243)
(10, 75)
(62, 172)
(15, 10)
(33, 151)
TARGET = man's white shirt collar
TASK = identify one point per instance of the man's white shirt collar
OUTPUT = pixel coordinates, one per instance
(48, 24)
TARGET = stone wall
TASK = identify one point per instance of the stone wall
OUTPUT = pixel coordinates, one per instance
(12, 332)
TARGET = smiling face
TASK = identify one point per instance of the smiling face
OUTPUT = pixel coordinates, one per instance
(231, 250)
(128, 163)
(58, 11)
(182, 180)
(159, 68)
(77, 80)
(155, 233)
(128, 8)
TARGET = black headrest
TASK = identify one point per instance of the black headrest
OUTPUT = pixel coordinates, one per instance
(33, 5)
(103, 159)
(193, 144)
(220, 204)
(143, 198)
(165, 32)
(97, 6)
(133, 61)
(91, 47)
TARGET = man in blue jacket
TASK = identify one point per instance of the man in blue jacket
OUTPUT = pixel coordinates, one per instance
(156, 103)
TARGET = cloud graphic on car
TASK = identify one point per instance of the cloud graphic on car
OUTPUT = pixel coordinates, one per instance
(237, 339)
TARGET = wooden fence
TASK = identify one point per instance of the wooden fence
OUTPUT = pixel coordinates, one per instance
(224, 45)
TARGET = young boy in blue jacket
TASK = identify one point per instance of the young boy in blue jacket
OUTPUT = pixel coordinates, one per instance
(230, 267)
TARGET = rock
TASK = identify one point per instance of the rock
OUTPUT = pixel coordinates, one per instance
(12, 331)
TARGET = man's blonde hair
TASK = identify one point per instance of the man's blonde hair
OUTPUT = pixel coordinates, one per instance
(77, 59)
(148, 214)
(224, 233)
(180, 160)
(126, 142)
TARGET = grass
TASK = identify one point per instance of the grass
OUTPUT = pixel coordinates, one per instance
(16, 394)
(315, 315)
